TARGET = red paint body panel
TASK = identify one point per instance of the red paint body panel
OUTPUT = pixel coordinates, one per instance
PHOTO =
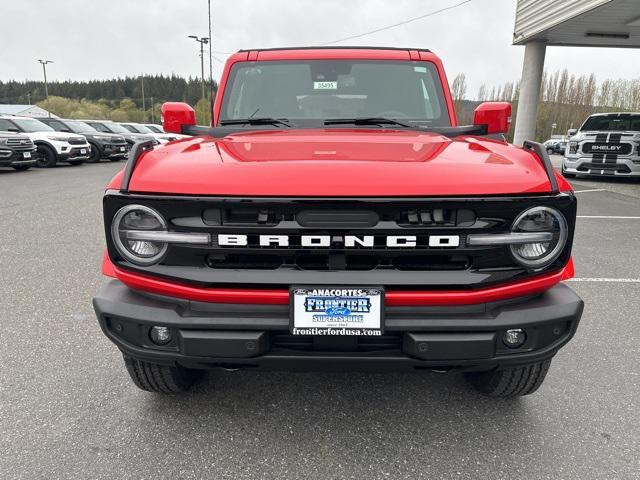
(392, 298)
(339, 162)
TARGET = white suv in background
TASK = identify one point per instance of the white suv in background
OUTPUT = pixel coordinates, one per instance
(53, 147)
(143, 129)
(158, 129)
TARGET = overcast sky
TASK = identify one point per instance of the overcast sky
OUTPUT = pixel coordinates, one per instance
(91, 39)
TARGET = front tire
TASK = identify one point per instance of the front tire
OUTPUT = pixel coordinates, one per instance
(47, 157)
(96, 154)
(510, 382)
(156, 378)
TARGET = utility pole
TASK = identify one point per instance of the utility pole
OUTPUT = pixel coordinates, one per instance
(144, 106)
(210, 53)
(44, 69)
(202, 41)
(153, 120)
(29, 98)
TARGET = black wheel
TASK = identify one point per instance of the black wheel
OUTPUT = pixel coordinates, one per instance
(75, 163)
(510, 382)
(160, 378)
(22, 168)
(47, 157)
(550, 151)
(96, 154)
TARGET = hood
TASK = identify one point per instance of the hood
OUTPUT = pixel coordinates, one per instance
(57, 136)
(113, 137)
(344, 162)
(138, 137)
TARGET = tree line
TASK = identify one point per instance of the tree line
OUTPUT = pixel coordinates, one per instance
(566, 100)
(118, 99)
(160, 87)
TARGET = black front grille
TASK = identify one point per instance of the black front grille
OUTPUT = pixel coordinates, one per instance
(370, 262)
(20, 143)
(612, 167)
(77, 141)
(607, 148)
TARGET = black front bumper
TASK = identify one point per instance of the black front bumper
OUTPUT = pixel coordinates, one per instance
(207, 335)
(75, 154)
(17, 159)
(115, 150)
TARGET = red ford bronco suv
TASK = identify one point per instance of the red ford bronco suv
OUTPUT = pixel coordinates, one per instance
(334, 217)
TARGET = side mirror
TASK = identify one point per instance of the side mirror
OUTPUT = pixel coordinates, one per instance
(13, 129)
(495, 115)
(571, 132)
(176, 115)
(66, 130)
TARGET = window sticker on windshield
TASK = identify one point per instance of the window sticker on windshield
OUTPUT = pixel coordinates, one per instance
(325, 85)
(420, 69)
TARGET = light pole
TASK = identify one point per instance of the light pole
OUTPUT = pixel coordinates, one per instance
(202, 41)
(44, 69)
(210, 52)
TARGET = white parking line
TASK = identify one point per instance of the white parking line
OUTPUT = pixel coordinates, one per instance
(590, 190)
(613, 217)
(609, 280)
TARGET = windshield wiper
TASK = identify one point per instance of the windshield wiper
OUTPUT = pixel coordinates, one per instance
(257, 121)
(366, 121)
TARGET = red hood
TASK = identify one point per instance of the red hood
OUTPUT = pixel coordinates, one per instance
(345, 162)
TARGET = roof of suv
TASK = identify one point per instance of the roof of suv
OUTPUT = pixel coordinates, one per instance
(335, 52)
(331, 48)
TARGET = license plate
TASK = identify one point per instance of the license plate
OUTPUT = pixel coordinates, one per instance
(337, 310)
(123, 149)
(83, 151)
(26, 155)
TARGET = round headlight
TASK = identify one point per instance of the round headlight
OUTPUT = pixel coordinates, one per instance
(540, 219)
(138, 218)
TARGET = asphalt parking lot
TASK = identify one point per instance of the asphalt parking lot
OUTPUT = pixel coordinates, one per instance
(69, 410)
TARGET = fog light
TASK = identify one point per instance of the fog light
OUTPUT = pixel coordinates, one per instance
(160, 335)
(514, 338)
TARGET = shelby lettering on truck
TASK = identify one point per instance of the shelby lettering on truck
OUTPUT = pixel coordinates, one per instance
(335, 216)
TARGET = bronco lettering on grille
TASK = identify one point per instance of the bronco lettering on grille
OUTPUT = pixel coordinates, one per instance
(347, 241)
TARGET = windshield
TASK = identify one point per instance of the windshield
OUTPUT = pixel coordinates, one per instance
(80, 127)
(318, 90)
(141, 129)
(32, 125)
(113, 127)
(622, 122)
(154, 129)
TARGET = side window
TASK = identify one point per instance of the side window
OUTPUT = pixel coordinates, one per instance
(5, 125)
(99, 127)
(58, 126)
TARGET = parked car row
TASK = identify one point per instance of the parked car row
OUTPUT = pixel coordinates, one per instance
(45, 142)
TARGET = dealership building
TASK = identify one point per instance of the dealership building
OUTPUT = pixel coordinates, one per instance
(565, 23)
(25, 111)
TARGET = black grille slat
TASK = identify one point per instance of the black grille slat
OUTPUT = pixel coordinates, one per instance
(286, 341)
